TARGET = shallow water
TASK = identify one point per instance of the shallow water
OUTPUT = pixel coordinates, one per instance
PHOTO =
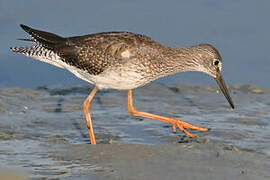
(34, 122)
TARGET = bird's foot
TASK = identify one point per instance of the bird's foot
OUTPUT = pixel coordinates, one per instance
(183, 126)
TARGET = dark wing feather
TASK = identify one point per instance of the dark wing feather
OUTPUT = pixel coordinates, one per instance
(85, 55)
(48, 40)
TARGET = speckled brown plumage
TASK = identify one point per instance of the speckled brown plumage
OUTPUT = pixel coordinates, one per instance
(95, 52)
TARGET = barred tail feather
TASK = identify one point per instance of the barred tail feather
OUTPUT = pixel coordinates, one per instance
(40, 53)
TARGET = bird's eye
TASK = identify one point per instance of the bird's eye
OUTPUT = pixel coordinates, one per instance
(216, 62)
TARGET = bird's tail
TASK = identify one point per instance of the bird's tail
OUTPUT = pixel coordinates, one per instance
(40, 53)
(46, 39)
(36, 50)
(44, 49)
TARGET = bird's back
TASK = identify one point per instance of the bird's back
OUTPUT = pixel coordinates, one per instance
(93, 53)
(97, 52)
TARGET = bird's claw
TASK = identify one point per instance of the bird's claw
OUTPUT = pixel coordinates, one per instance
(183, 126)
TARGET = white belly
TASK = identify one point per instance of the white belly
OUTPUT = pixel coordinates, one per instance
(119, 80)
(110, 78)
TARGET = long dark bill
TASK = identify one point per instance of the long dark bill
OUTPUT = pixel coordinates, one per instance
(224, 89)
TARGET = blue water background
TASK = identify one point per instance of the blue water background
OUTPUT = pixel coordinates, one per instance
(239, 29)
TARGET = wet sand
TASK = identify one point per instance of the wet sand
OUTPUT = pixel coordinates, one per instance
(43, 134)
(208, 160)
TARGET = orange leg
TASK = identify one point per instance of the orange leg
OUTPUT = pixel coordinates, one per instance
(86, 109)
(176, 123)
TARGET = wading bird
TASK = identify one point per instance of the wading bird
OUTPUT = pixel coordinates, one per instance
(123, 61)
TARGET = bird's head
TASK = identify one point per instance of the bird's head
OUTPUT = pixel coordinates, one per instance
(211, 64)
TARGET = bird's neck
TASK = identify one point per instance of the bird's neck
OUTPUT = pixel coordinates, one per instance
(181, 59)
